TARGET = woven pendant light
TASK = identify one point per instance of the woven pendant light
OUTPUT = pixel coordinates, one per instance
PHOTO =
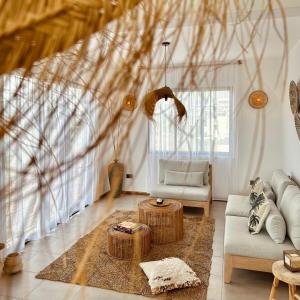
(151, 98)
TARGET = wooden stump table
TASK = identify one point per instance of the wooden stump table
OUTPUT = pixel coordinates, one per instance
(165, 221)
(129, 246)
(281, 273)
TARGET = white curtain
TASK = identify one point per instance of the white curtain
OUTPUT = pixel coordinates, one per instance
(209, 130)
(26, 211)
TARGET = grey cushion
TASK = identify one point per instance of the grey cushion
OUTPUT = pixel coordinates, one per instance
(275, 224)
(290, 209)
(279, 183)
(184, 178)
(181, 192)
(238, 241)
(269, 191)
(183, 166)
(238, 206)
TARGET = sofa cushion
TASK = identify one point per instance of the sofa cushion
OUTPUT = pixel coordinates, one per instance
(181, 192)
(184, 178)
(256, 189)
(238, 206)
(258, 214)
(275, 224)
(269, 191)
(279, 183)
(290, 209)
(238, 241)
(183, 166)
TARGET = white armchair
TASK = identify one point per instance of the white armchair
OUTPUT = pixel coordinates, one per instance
(190, 182)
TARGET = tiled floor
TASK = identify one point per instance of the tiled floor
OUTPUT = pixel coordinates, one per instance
(245, 285)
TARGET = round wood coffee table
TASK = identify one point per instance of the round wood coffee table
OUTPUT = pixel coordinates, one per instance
(129, 246)
(281, 273)
(165, 221)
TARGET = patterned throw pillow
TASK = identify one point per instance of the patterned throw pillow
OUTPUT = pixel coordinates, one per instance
(257, 187)
(258, 214)
(254, 181)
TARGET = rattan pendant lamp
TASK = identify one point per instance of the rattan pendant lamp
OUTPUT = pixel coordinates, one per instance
(150, 99)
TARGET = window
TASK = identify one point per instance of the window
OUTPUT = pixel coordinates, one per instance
(206, 129)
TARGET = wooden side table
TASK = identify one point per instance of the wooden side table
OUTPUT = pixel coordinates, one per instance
(281, 273)
(165, 221)
(129, 246)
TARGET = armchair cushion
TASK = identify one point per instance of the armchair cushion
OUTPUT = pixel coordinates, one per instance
(181, 192)
(183, 166)
(184, 178)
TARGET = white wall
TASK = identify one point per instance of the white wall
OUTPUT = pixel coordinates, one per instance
(259, 140)
(265, 139)
(134, 155)
(291, 142)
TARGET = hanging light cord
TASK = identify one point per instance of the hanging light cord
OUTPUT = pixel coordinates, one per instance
(165, 64)
(166, 44)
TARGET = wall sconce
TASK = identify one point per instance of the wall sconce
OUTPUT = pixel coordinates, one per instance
(258, 99)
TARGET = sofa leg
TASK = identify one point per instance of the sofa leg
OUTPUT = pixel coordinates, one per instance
(227, 268)
(206, 210)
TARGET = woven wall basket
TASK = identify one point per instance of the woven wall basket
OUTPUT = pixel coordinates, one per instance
(294, 95)
(297, 123)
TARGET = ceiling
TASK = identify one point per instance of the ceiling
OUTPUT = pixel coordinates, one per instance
(292, 7)
(274, 45)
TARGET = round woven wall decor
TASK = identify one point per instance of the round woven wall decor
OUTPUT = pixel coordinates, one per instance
(258, 99)
(297, 123)
(294, 95)
(298, 99)
(129, 102)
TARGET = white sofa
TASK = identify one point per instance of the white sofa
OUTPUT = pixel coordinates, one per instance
(193, 196)
(243, 250)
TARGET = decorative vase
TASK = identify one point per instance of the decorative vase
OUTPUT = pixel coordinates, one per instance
(115, 176)
(13, 263)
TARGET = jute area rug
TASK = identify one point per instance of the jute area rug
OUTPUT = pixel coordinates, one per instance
(88, 263)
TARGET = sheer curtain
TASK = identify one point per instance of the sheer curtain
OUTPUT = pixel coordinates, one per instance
(28, 212)
(209, 130)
